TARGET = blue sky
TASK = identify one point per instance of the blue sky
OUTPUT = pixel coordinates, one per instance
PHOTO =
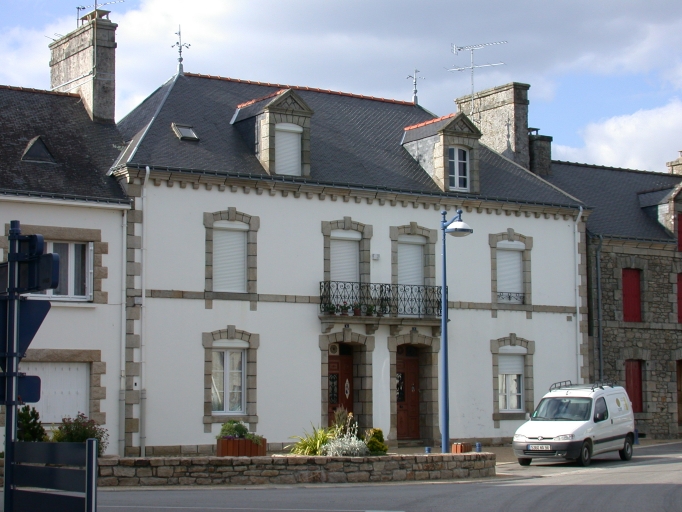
(606, 77)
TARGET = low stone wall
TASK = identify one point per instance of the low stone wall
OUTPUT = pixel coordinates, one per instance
(115, 471)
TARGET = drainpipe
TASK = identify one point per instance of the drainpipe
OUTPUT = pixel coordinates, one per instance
(599, 312)
(576, 236)
(143, 315)
(122, 385)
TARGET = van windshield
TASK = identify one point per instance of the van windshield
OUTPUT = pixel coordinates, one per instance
(563, 409)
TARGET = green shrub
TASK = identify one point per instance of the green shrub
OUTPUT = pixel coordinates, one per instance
(29, 426)
(79, 430)
(234, 429)
(374, 439)
(311, 444)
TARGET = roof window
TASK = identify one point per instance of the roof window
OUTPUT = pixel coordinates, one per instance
(184, 132)
(36, 151)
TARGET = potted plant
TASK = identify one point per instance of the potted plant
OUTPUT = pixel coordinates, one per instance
(357, 309)
(343, 308)
(369, 309)
(235, 440)
(330, 308)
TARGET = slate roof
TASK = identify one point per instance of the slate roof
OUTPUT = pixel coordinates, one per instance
(355, 140)
(426, 129)
(82, 150)
(616, 195)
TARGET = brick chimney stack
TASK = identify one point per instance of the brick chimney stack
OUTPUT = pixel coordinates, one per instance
(675, 167)
(501, 113)
(84, 61)
(540, 150)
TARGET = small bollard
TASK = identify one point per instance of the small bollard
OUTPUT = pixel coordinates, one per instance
(636, 436)
(478, 447)
(427, 450)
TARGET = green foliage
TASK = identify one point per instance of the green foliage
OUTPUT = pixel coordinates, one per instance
(374, 439)
(347, 443)
(29, 426)
(79, 430)
(234, 429)
(312, 443)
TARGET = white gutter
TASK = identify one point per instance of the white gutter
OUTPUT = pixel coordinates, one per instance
(143, 314)
(65, 202)
(122, 385)
(576, 238)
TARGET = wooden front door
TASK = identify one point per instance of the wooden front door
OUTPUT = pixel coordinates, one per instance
(340, 383)
(407, 392)
(679, 392)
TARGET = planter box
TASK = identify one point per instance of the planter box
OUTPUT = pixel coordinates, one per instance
(461, 447)
(240, 448)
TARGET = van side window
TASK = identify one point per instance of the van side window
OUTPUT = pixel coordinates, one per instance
(601, 413)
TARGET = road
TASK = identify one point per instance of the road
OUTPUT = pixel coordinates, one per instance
(651, 481)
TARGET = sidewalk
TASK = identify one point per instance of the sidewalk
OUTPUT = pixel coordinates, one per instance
(505, 454)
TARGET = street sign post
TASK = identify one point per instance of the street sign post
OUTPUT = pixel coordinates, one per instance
(27, 270)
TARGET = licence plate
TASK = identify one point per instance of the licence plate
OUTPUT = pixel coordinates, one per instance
(540, 447)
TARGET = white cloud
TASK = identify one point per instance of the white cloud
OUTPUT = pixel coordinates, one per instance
(642, 140)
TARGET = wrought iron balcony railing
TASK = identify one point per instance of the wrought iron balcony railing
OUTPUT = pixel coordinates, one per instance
(385, 299)
(511, 297)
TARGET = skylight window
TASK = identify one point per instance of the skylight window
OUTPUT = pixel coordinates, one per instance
(184, 132)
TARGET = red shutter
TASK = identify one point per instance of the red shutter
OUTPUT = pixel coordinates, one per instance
(679, 231)
(679, 298)
(632, 302)
(633, 383)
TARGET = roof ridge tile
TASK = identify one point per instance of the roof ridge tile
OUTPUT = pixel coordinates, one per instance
(430, 121)
(40, 91)
(256, 100)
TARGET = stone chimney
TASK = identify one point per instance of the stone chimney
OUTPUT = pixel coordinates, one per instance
(540, 150)
(675, 167)
(501, 113)
(84, 61)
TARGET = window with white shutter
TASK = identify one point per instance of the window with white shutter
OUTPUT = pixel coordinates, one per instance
(64, 389)
(229, 256)
(510, 382)
(344, 253)
(288, 149)
(510, 272)
(411, 259)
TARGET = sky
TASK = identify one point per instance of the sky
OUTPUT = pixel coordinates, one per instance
(605, 75)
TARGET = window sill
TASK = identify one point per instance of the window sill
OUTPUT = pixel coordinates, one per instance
(221, 417)
(510, 416)
(72, 304)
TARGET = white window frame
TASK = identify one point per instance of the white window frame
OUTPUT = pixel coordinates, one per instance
(454, 171)
(227, 225)
(297, 131)
(89, 271)
(226, 348)
(519, 352)
(346, 235)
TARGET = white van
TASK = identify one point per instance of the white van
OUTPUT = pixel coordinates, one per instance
(577, 422)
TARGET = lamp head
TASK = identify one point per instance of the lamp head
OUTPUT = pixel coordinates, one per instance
(457, 227)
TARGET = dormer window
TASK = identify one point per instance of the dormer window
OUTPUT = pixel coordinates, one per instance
(184, 132)
(458, 168)
(288, 149)
(37, 151)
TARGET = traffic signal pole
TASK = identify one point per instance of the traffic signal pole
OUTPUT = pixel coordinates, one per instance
(11, 362)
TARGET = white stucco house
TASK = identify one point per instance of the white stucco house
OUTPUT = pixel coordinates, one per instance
(258, 213)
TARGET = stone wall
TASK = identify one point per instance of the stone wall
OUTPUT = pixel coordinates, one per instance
(115, 471)
(656, 341)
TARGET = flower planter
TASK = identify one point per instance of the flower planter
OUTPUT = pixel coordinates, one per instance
(240, 448)
(357, 312)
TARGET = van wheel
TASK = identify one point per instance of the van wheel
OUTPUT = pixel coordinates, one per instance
(626, 452)
(585, 454)
(525, 462)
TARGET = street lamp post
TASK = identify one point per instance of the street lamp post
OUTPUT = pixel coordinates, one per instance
(455, 227)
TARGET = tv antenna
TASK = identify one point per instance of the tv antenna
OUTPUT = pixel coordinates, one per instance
(180, 45)
(96, 5)
(472, 48)
(414, 85)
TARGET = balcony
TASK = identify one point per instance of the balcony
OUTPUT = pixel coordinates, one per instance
(511, 298)
(391, 300)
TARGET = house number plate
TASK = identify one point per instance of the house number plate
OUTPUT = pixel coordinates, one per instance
(540, 447)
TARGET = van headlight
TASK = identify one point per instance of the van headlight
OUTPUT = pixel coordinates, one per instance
(566, 437)
(520, 437)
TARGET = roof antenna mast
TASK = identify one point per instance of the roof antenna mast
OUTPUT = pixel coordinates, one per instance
(180, 45)
(414, 85)
(472, 48)
(96, 5)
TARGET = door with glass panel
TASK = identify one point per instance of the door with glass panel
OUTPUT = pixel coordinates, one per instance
(407, 391)
(227, 381)
(340, 379)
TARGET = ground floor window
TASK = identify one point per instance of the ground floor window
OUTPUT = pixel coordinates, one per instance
(510, 382)
(227, 380)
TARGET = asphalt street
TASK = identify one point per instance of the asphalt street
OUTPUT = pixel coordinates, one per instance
(651, 481)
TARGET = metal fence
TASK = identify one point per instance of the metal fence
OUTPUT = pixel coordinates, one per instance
(379, 298)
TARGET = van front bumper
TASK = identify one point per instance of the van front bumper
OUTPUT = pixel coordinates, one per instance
(558, 449)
